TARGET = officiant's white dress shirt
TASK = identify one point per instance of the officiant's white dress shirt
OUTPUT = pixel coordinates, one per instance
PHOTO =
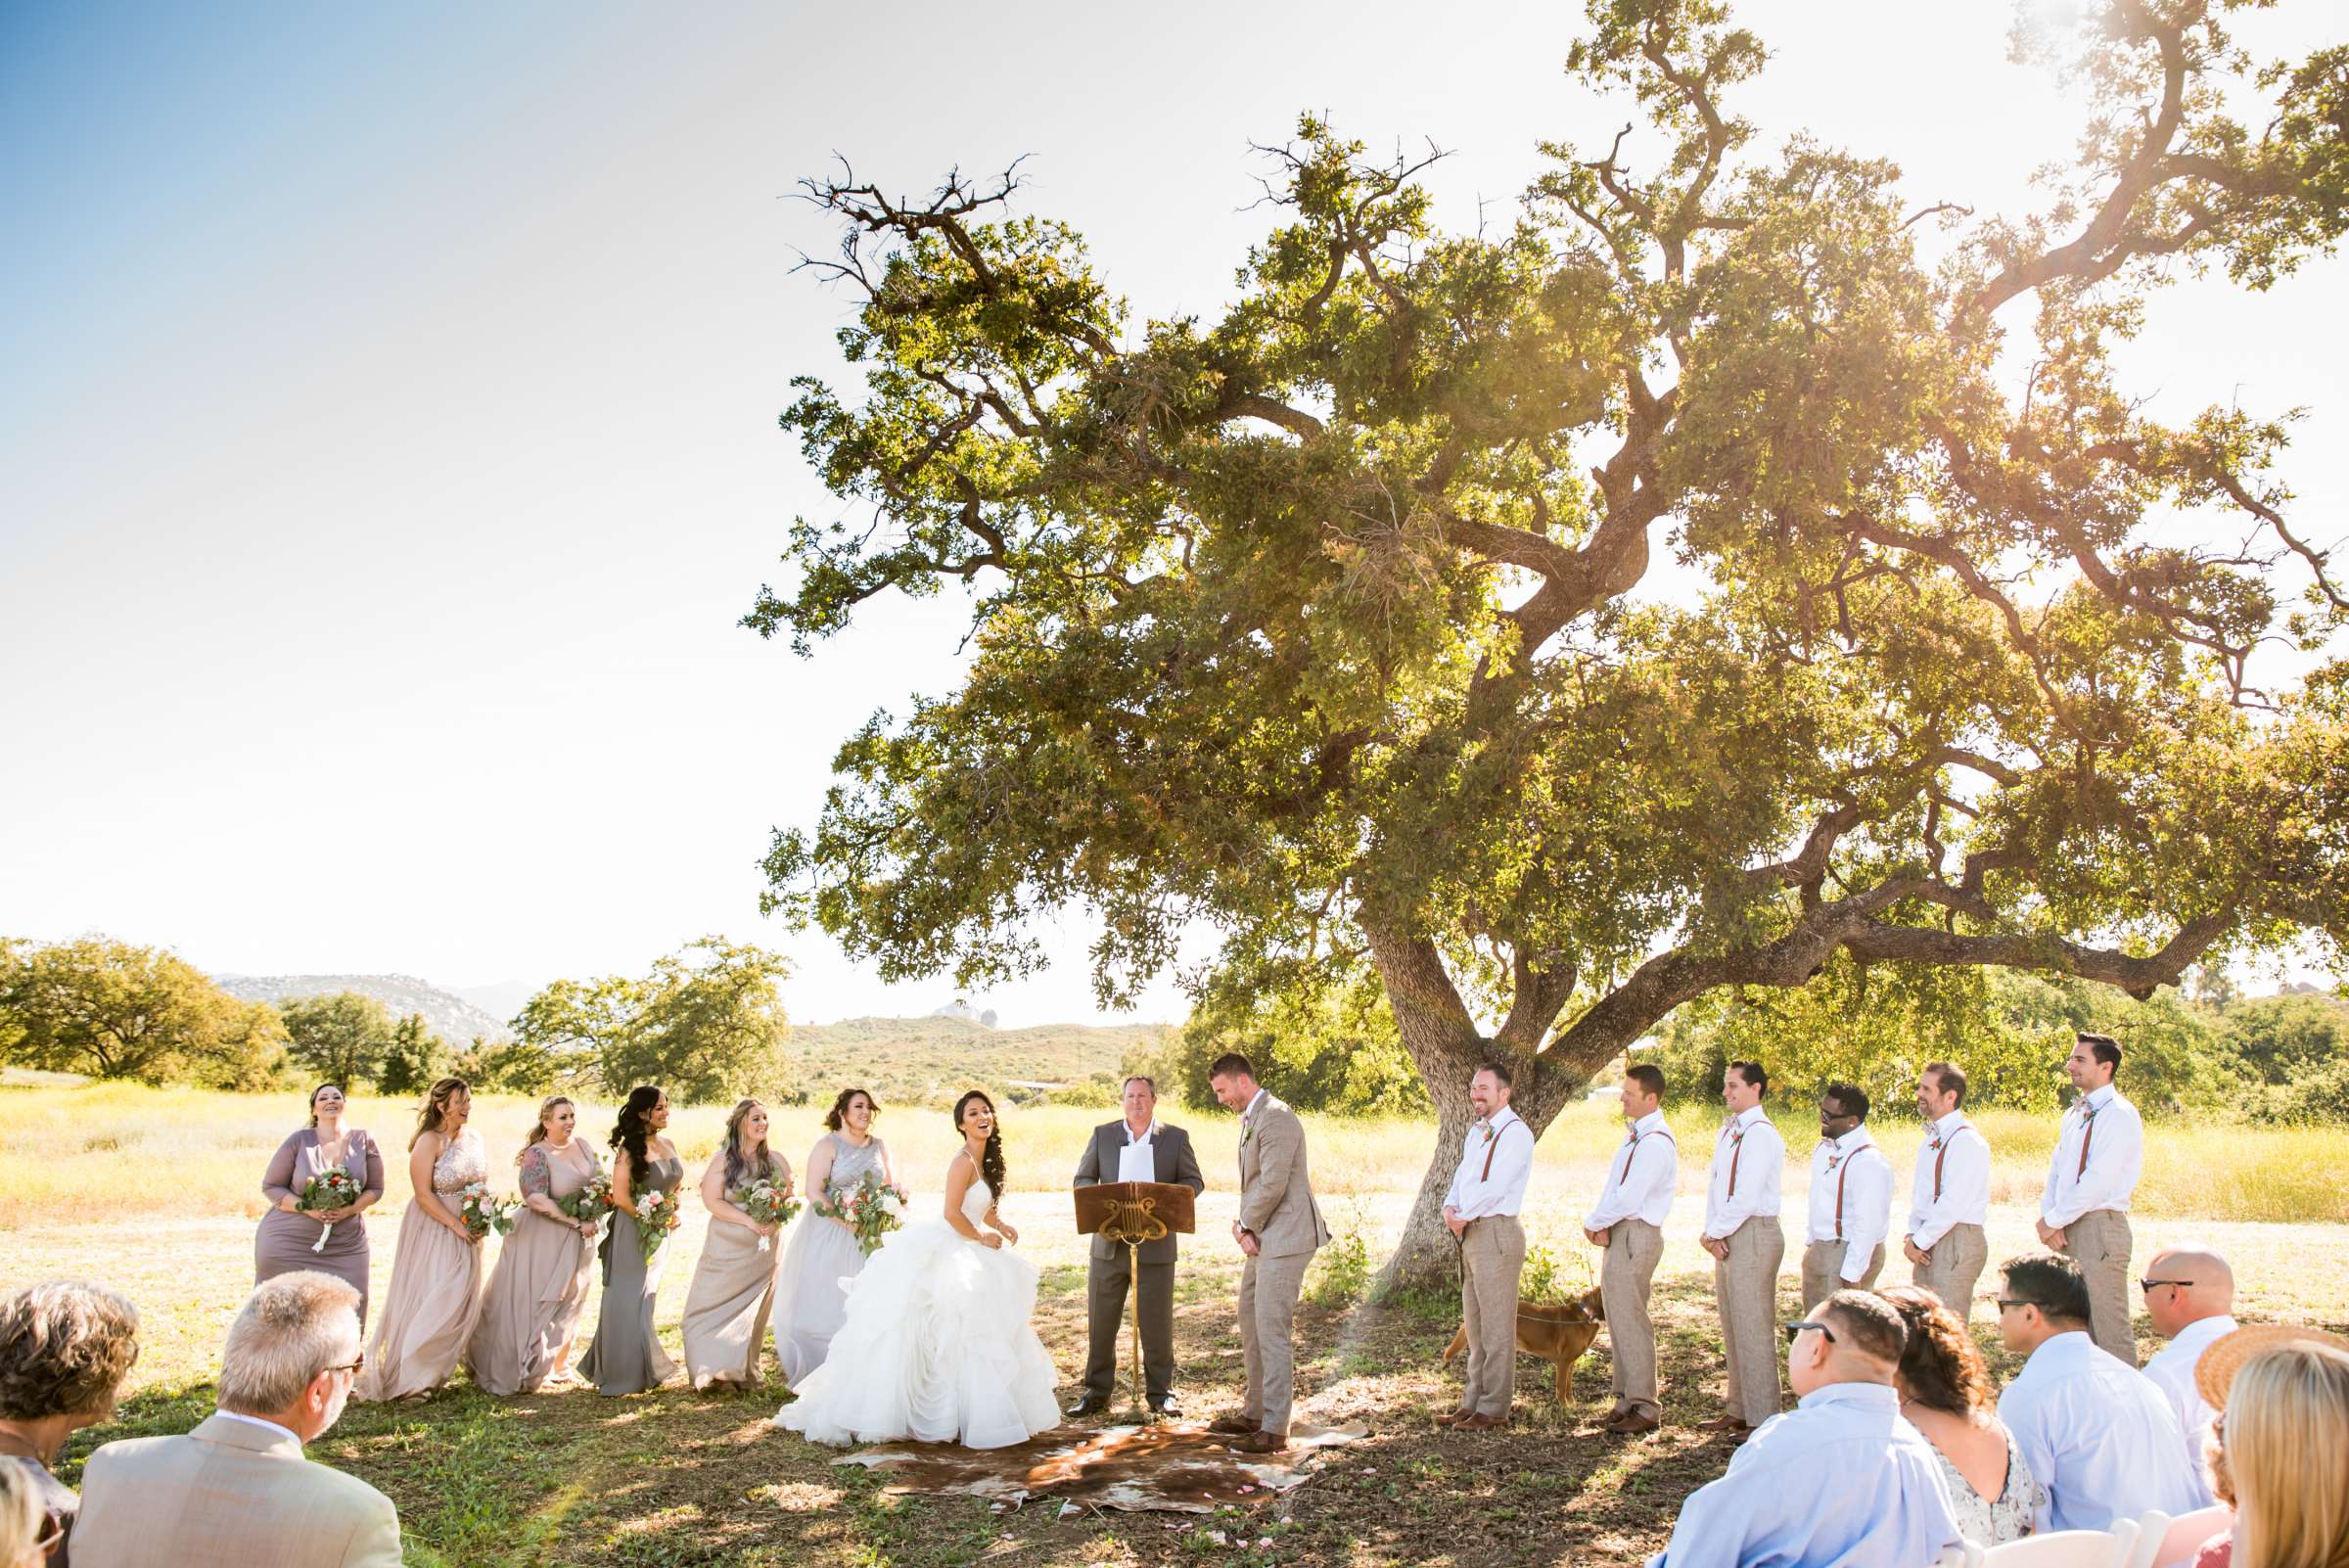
(1641, 1177)
(1747, 1160)
(1137, 1161)
(1953, 1181)
(2098, 1158)
(1851, 1198)
(2097, 1434)
(1496, 1161)
(2173, 1372)
(1841, 1478)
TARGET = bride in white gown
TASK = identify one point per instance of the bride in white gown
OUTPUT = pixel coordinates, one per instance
(936, 1343)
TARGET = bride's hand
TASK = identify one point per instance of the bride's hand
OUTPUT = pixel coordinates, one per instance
(1009, 1234)
(988, 1238)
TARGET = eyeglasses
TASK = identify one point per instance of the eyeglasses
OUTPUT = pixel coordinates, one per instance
(2005, 1302)
(2147, 1285)
(1794, 1331)
(352, 1366)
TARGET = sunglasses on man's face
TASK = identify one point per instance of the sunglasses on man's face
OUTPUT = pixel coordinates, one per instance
(2148, 1286)
(1794, 1331)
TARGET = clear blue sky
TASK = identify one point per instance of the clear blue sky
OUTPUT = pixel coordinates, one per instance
(387, 443)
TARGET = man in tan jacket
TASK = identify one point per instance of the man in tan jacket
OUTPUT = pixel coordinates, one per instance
(1280, 1228)
(237, 1493)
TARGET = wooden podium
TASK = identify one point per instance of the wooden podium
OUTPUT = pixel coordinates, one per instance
(1129, 1213)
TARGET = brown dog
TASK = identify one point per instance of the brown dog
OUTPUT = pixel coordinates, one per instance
(1556, 1332)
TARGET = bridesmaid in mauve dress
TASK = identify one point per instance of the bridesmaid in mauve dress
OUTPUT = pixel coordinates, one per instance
(285, 1239)
(734, 1283)
(823, 1255)
(436, 1273)
(627, 1356)
(530, 1314)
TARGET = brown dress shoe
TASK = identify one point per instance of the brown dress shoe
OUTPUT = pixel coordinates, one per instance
(1260, 1442)
(1231, 1425)
(1455, 1418)
(1483, 1423)
(1631, 1423)
(1723, 1423)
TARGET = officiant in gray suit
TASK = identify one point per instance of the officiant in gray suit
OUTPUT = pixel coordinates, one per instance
(1135, 1148)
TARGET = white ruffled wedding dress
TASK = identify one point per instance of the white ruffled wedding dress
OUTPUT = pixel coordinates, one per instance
(937, 1344)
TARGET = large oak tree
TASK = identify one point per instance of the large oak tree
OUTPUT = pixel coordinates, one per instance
(1332, 621)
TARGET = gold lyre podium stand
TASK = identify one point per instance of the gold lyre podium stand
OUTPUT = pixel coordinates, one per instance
(1130, 1214)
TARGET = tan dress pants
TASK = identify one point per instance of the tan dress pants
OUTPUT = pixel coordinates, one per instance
(1492, 1257)
(1634, 1248)
(1268, 1288)
(1953, 1267)
(1823, 1271)
(2100, 1242)
(1745, 1283)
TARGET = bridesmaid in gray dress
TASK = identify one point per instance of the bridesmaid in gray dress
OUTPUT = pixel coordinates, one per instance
(811, 1294)
(627, 1356)
(286, 1237)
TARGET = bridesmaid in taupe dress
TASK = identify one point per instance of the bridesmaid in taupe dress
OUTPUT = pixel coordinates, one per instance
(285, 1239)
(627, 1356)
(436, 1273)
(530, 1314)
(734, 1283)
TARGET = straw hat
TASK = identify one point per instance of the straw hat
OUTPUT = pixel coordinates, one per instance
(2214, 1373)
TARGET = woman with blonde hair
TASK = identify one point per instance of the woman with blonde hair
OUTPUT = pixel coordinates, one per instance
(22, 1541)
(333, 1240)
(436, 1273)
(530, 1312)
(1945, 1392)
(2285, 1428)
(734, 1284)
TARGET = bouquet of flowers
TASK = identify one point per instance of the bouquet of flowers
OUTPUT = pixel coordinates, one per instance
(591, 1202)
(872, 1209)
(335, 1188)
(484, 1211)
(765, 1203)
(657, 1214)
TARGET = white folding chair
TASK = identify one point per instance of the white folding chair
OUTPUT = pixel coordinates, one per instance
(2188, 1531)
(2067, 1548)
(1964, 1554)
(2151, 1531)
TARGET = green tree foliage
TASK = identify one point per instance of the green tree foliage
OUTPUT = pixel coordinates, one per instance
(113, 1009)
(2290, 1057)
(510, 1067)
(1318, 1048)
(343, 1037)
(414, 1060)
(706, 1024)
(1326, 620)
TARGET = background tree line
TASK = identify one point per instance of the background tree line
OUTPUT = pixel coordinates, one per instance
(707, 1022)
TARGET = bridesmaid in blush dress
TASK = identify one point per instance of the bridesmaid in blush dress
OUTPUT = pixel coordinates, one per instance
(436, 1273)
(823, 1256)
(734, 1283)
(286, 1238)
(627, 1356)
(530, 1312)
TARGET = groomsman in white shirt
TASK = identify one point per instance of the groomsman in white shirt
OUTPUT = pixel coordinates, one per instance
(1481, 1212)
(2097, 1434)
(2189, 1294)
(1850, 1200)
(1628, 1222)
(2084, 1214)
(1949, 1200)
(1743, 1235)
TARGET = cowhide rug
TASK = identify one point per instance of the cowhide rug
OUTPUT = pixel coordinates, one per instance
(1176, 1465)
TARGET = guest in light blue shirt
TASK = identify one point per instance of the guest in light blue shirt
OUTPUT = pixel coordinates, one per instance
(2097, 1433)
(1839, 1479)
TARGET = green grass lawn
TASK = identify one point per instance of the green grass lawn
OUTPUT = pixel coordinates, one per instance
(673, 1476)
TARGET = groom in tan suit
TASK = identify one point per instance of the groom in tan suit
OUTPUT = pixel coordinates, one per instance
(1279, 1229)
(236, 1491)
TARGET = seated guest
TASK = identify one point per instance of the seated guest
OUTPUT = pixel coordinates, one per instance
(2093, 1430)
(1945, 1392)
(65, 1349)
(1841, 1478)
(237, 1493)
(2189, 1294)
(22, 1520)
(2319, 1448)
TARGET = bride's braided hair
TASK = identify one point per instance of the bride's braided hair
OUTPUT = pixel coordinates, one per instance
(990, 1160)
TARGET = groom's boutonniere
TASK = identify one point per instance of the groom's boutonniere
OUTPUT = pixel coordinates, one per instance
(1247, 1131)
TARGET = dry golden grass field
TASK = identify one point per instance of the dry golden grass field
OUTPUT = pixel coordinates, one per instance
(156, 1192)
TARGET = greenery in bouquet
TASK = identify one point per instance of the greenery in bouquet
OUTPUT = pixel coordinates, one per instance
(657, 1214)
(336, 1188)
(592, 1202)
(766, 1203)
(871, 1209)
(484, 1211)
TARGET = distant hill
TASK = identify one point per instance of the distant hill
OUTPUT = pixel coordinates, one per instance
(452, 1017)
(928, 1061)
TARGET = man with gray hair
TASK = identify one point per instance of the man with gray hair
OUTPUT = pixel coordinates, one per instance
(237, 1491)
(1138, 1147)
